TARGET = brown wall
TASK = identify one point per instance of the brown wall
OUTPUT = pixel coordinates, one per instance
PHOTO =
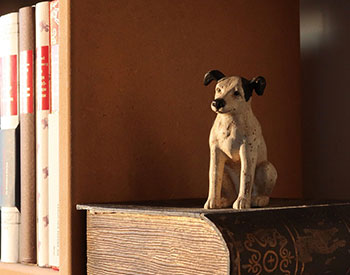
(140, 113)
(325, 43)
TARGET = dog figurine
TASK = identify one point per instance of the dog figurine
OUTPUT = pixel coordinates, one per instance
(238, 155)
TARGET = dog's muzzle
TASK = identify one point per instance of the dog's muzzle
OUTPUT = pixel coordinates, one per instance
(218, 103)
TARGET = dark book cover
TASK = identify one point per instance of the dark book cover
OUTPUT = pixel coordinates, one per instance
(27, 126)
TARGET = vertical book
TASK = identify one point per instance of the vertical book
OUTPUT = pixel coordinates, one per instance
(10, 181)
(42, 94)
(54, 139)
(27, 137)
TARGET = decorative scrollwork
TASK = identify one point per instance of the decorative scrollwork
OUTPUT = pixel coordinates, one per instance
(268, 252)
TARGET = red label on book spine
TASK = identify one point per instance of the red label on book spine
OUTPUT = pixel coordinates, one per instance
(9, 86)
(26, 87)
(43, 100)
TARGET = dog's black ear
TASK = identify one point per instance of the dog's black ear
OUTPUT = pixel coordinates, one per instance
(212, 75)
(258, 84)
(247, 88)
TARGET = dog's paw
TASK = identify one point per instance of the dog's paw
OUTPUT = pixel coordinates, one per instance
(260, 201)
(211, 204)
(241, 203)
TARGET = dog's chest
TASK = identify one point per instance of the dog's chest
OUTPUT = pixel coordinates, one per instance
(227, 137)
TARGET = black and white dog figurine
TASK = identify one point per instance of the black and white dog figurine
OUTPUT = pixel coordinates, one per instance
(239, 172)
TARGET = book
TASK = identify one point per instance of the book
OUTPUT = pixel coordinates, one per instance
(288, 237)
(54, 139)
(0, 163)
(42, 94)
(9, 117)
(1, 176)
(27, 138)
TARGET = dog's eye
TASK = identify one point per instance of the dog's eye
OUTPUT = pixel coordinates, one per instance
(236, 93)
(218, 90)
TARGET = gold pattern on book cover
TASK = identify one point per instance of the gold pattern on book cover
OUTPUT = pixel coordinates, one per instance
(263, 245)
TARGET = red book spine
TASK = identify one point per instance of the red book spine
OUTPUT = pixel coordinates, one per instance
(43, 103)
(9, 88)
(27, 96)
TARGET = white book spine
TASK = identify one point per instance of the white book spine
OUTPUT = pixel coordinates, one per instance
(10, 216)
(54, 139)
(42, 29)
(10, 222)
(53, 191)
(8, 47)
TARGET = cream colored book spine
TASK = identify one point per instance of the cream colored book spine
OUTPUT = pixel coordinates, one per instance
(54, 139)
(42, 29)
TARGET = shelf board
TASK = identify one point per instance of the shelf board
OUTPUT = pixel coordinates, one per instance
(20, 269)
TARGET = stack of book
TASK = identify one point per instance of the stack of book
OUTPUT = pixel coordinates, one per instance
(29, 161)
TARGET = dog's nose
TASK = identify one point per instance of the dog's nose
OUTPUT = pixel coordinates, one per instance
(218, 103)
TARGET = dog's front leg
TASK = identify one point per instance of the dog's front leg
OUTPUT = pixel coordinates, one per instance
(216, 172)
(248, 156)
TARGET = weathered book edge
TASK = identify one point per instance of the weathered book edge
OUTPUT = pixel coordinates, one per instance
(140, 243)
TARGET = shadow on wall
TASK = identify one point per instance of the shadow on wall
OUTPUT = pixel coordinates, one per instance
(325, 61)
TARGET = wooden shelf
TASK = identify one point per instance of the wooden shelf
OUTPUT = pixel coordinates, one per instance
(19, 269)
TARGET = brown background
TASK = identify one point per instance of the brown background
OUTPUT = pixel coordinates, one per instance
(325, 60)
(140, 114)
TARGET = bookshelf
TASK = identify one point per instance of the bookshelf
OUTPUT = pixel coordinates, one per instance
(134, 115)
(20, 269)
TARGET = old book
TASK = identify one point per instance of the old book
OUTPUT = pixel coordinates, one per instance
(54, 139)
(10, 181)
(27, 139)
(289, 237)
(42, 94)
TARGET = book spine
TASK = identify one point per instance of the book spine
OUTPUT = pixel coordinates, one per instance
(1, 153)
(54, 139)
(42, 94)
(9, 118)
(304, 240)
(27, 138)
